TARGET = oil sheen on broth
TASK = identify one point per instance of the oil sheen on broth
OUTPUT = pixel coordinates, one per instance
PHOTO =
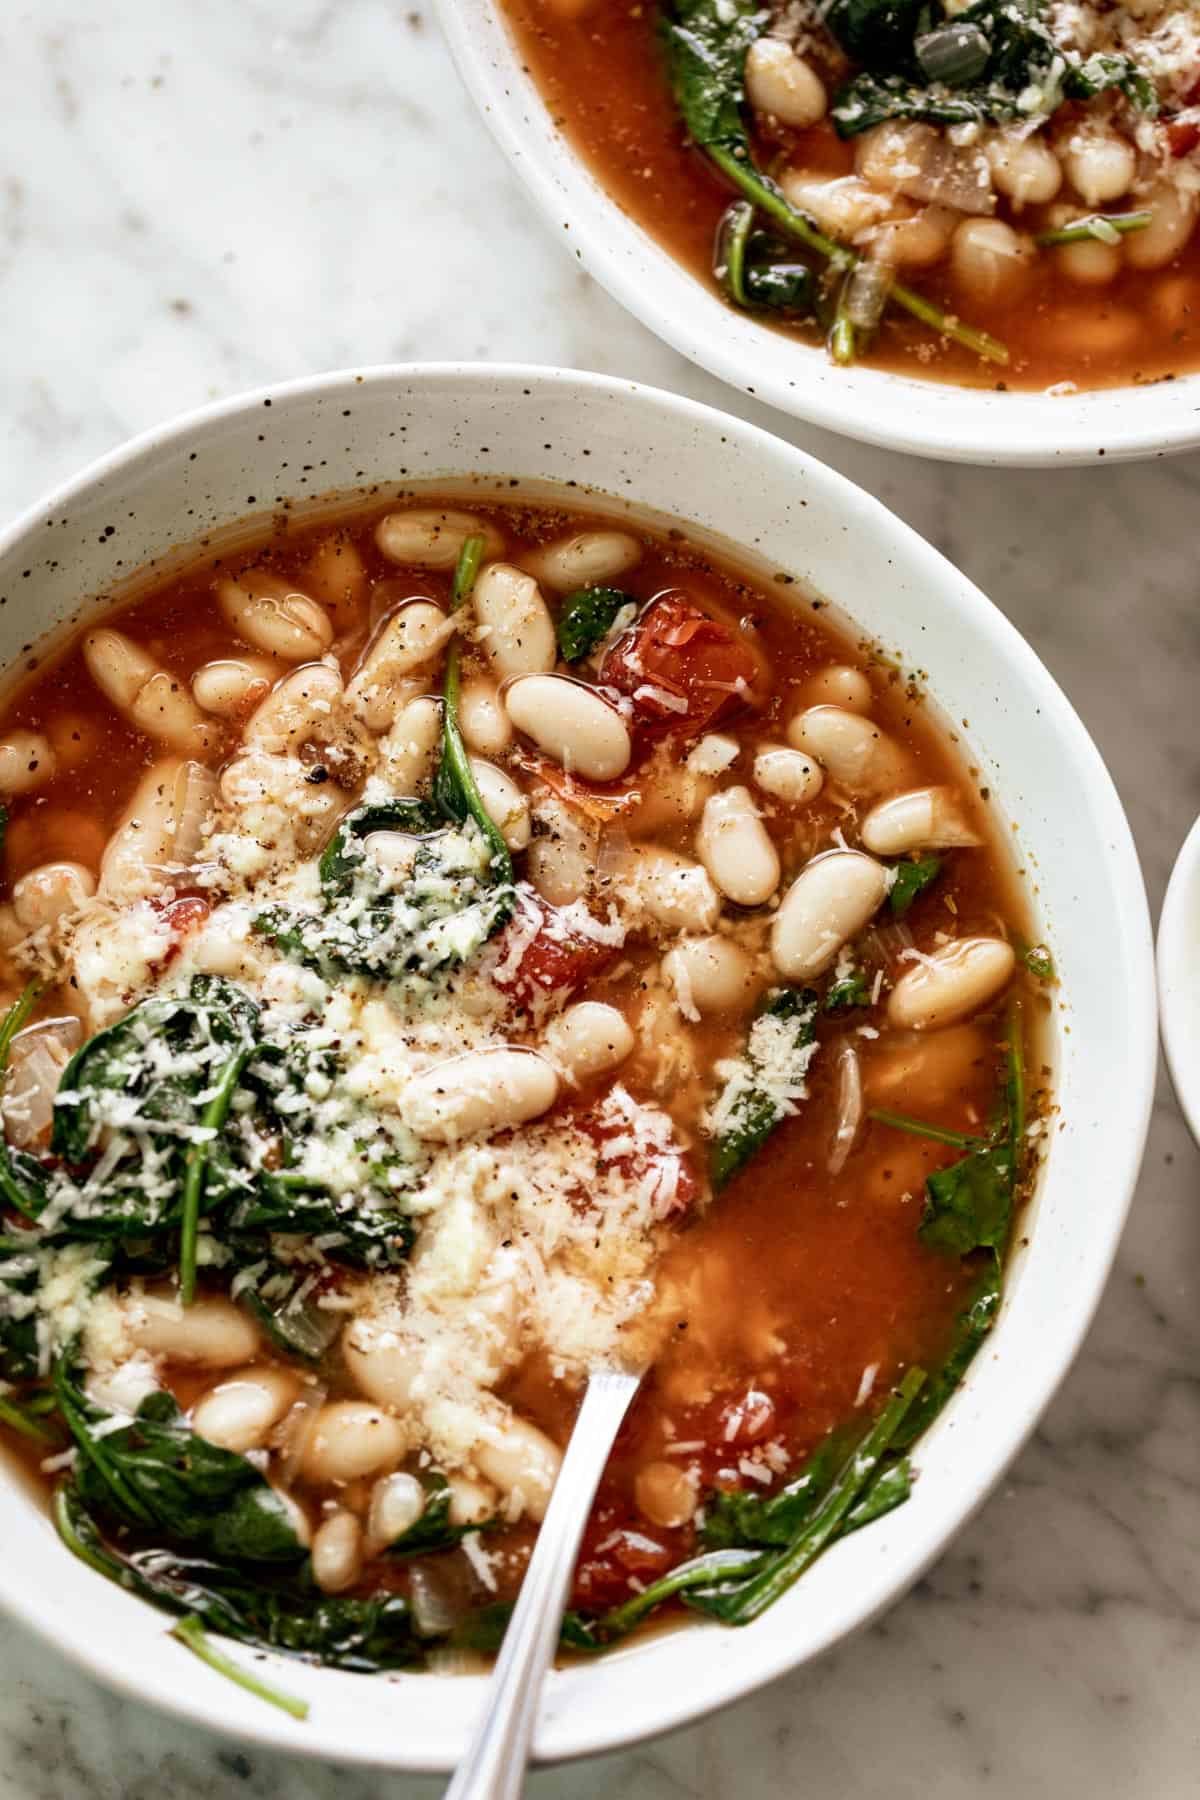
(399, 1093)
(956, 211)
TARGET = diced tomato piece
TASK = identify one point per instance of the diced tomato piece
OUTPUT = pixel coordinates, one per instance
(614, 1563)
(681, 668)
(182, 915)
(558, 958)
(748, 1420)
(1182, 136)
(639, 1141)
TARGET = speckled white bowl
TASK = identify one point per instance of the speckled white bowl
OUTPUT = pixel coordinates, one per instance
(390, 426)
(1179, 977)
(957, 424)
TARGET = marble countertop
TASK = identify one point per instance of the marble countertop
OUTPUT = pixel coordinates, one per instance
(195, 199)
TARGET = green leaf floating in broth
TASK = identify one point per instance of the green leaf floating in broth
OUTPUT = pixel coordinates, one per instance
(762, 1086)
(912, 878)
(588, 616)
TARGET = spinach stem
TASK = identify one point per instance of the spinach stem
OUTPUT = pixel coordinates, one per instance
(716, 1565)
(15, 1017)
(455, 770)
(212, 1119)
(18, 1419)
(1104, 227)
(918, 1128)
(92, 1448)
(191, 1633)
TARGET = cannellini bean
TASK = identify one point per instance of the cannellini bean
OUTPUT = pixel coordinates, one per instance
(146, 694)
(676, 892)
(238, 1413)
(712, 755)
(485, 726)
(708, 974)
(925, 1068)
(915, 242)
(406, 751)
(352, 1439)
(1089, 263)
(407, 641)
(852, 750)
(427, 537)
(842, 207)
(783, 84)
(212, 1333)
(159, 832)
(397, 1502)
(929, 818)
(506, 805)
(275, 616)
(336, 576)
(1100, 166)
(483, 1091)
(589, 1039)
(664, 1494)
(383, 1363)
(226, 685)
(892, 155)
(337, 1552)
(515, 627)
(583, 560)
(44, 895)
(523, 1462)
(990, 260)
(1024, 168)
(1172, 216)
(471, 1502)
(788, 775)
(735, 848)
(561, 859)
(294, 710)
(951, 983)
(827, 904)
(27, 761)
(572, 723)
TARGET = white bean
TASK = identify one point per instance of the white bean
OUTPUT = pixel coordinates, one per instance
(486, 727)
(707, 974)
(407, 750)
(735, 848)
(589, 1039)
(852, 750)
(1089, 263)
(27, 761)
(913, 243)
(676, 892)
(45, 894)
(929, 818)
(427, 537)
(783, 84)
(664, 1494)
(336, 576)
(788, 775)
(224, 686)
(337, 1552)
(506, 805)
(212, 1333)
(407, 641)
(951, 983)
(294, 710)
(1024, 168)
(583, 560)
(143, 692)
(712, 755)
(1172, 216)
(351, 1439)
(397, 1502)
(523, 1462)
(572, 723)
(516, 630)
(275, 617)
(238, 1413)
(842, 206)
(471, 1502)
(827, 904)
(892, 155)
(991, 260)
(481, 1092)
(382, 1361)
(159, 832)
(562, 857)
(1100, 166)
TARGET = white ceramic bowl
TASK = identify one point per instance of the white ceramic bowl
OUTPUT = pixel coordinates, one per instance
(1179, 977)
(635, 445)
(958, 424)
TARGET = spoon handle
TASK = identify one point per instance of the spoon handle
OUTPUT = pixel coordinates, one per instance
(494, 1765)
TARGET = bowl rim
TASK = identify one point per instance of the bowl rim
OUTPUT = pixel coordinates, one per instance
(1178, 969)
(727, 1683)
(1023, 429)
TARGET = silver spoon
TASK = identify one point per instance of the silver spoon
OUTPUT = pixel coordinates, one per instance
(494, 1765)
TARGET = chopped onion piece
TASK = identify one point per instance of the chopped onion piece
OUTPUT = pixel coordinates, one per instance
(36, 1061)
(867, 287)
(850, 1108)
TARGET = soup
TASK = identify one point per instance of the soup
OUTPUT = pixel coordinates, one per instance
(447, 951)
(999, 196)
